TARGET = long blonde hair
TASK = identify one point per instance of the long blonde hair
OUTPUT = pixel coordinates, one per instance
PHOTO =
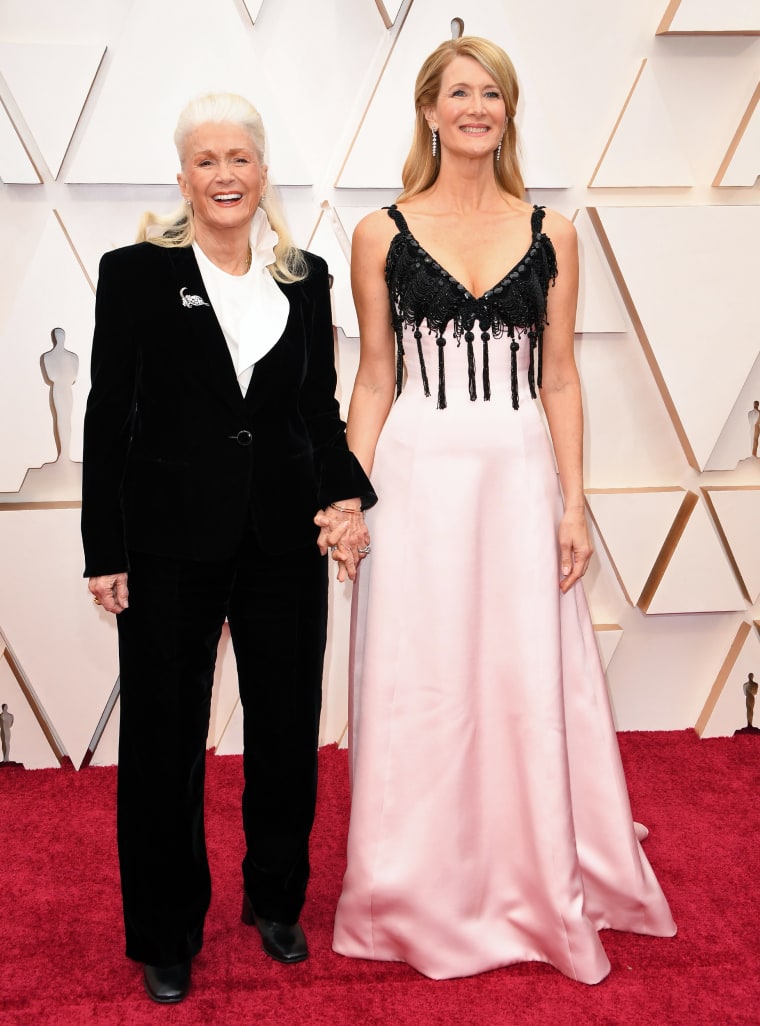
(177, 228)
(421, 167)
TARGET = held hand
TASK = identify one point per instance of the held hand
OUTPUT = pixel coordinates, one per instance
(574, 547)
(110, 592)
(344, 532)
(329, 533)
(330, 538)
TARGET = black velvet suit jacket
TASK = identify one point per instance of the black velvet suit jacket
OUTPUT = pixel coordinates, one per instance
(177, 461)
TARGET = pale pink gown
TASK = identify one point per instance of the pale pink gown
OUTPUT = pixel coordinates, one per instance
(490, 820)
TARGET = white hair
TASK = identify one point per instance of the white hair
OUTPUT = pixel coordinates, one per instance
(177, 228)
(218, 108)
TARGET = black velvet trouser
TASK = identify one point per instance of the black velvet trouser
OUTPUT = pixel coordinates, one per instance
(168, 638)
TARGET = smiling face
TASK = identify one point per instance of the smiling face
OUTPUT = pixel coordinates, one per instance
(469, 112)
(221, 176)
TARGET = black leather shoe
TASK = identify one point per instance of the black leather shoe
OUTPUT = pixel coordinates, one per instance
(284, 942)
(167, 984)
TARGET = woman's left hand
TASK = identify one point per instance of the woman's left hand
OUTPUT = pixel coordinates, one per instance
(345, 535)
(575, 546)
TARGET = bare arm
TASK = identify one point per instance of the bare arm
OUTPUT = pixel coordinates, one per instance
(561, 399)
(375, 383)
(374, 386)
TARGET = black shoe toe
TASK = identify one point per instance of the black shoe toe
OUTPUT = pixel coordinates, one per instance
(285, 942)
(167, 984)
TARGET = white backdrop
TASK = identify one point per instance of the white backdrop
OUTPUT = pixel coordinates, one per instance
(640, 120)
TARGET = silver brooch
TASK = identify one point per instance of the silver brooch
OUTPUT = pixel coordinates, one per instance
(191, 300)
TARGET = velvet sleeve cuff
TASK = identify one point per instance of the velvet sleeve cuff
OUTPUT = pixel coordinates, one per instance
(342, 477)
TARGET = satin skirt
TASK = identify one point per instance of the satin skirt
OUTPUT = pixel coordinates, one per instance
(490, 820)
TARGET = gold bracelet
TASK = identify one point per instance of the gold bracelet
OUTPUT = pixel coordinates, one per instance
(344, 509)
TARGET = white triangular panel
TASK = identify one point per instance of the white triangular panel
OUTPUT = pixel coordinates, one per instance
(706, 97)
(735, 443)
(21, 227)
(644, 149)
(664, 668)
(128, 136)
(676, 262)
(383, 141)
(66, 645)
(325, 242)
(607, 639)
(29, 746)
(630, 441)
(600, 308)
(53, 294)
(253, 7)
(301, 215)
(698, 578)
(15, 166)
(50, 83)
(730, 712)
(634, 526)
(738, 510)
(707, 16)
(744, 166)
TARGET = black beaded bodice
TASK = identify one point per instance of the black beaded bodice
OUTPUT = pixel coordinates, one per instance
(423, 292)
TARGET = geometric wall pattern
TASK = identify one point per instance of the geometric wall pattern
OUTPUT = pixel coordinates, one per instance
(741, 162)
(635, 526)
(702, 17)
(644, 148)
(15, 163)
(41, 75)
(641, 122)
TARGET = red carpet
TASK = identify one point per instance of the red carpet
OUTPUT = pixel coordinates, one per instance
(61, 944)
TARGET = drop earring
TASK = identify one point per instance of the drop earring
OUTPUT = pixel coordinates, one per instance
(434, 148)
(501, 138)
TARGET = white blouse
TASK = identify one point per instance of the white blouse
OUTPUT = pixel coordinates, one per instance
(251, 309)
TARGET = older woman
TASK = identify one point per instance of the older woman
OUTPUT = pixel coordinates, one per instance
(212, 437)
(490, 822)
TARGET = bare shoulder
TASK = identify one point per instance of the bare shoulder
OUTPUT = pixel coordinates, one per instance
(375, 230)
(369, 245)
(559, 228)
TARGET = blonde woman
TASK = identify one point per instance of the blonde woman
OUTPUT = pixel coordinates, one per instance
(490, 822)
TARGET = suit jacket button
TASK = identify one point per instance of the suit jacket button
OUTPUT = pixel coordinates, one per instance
(243, 437)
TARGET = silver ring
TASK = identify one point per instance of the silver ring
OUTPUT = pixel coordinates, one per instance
(365, 551)
(333, 548)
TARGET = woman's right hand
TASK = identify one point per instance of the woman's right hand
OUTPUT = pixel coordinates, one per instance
(110, 592)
